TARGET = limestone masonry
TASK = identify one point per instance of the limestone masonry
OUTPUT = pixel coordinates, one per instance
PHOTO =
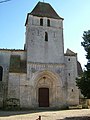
(41, 75)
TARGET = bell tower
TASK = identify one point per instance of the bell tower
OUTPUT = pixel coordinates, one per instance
(44, 35)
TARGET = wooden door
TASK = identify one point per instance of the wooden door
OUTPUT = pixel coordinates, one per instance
(43, 97)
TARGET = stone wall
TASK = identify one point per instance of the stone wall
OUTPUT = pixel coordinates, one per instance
(71, 72)
(1, 94)
(54, 80)
(5, 62)
(38, 50)
(16, 82)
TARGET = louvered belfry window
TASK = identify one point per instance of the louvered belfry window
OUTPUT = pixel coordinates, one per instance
(48, 22)
(41, 22)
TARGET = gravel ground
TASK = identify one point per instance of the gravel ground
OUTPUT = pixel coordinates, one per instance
(82, 114)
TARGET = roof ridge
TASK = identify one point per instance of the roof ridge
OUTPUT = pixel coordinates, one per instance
(42, 2)
(7, 49)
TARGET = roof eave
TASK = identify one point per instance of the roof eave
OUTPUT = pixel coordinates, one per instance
(40, 16)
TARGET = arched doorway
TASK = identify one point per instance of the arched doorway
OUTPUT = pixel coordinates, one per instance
(43, 97)
(47, 81)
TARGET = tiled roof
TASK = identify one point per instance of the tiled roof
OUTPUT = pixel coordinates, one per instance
(70, 53)
(44, 10)
(11, 49)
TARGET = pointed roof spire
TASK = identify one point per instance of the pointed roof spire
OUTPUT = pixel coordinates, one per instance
(44, 10)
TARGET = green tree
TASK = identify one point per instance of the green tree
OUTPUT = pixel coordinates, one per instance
(83, 82)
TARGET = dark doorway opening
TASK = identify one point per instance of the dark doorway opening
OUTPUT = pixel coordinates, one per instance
(43, 97)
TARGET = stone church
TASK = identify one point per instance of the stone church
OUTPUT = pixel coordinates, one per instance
(40, 75)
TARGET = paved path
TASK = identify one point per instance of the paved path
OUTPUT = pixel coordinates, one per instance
(83, 114)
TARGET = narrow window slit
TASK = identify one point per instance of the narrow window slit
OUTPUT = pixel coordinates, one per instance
(46, 36)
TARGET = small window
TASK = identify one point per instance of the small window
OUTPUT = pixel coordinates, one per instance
(69, 74)
(44, 78)
(72, 90)
(41, 22)
(69, 59)
(46, 36)
(1, 73)
(48, 22)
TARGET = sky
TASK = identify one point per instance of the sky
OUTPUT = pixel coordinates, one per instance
(76, 14)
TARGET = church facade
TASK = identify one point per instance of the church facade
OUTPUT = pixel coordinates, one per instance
(41, 75)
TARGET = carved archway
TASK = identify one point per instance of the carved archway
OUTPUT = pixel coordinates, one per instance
(47, 79)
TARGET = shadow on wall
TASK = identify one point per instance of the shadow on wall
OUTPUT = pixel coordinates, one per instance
(76, 118)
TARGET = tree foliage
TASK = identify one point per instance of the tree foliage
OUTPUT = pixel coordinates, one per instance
(83, 82)
(86, 43)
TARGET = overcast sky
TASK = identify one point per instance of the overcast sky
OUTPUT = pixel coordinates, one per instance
(76, 14)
